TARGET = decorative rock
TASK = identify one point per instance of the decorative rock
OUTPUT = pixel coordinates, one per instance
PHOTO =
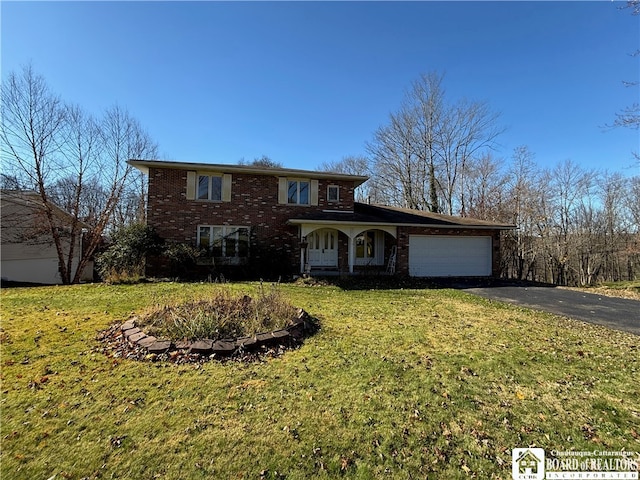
(183, 344)
(128, 325)
(246, 342)
(222, 347)
(136, 336)
(201, 346)
(280, 335)
(159, 346)
(131, 331)
(146, 341)
(265, 338)
(297, 330)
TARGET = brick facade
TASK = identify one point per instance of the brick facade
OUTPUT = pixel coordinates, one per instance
(254, 204)
(274, 243)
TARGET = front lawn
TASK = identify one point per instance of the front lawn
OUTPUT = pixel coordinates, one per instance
(398, 383)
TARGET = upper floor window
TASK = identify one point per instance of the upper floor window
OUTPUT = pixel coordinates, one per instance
(333, 193)
(215, 187)
(298, 192)
(210, 187)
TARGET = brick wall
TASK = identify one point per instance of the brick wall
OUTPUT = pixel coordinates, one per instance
(254, 204)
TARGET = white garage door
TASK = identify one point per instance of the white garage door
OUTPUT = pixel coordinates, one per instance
(444, 256)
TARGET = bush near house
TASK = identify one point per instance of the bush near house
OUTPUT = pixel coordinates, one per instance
(124, 259)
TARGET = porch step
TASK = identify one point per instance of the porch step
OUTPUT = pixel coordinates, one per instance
(324, 272)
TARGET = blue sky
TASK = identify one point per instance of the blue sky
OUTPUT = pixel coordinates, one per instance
(305, 83)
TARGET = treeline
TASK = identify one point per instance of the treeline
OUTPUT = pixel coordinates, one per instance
(575, 226)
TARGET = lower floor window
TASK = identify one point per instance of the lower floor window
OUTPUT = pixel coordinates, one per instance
(224, 241)
(369, 248)
(366, 245)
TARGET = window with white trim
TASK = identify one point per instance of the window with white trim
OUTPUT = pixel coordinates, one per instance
(224, 241)
(333, 193)
(366, 245)
(298, 192)
(209, 187)
(369, 247)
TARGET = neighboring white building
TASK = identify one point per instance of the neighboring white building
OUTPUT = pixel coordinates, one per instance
(27, 251)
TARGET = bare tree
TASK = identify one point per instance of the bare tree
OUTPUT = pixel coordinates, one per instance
(429, 109)
(484, 188)
(72, 159)
(353, 165)
(522, 189)
(632, 201)
(470, 130)
(420, 156)
(32, 120)
(394, 163)
(629, 116)
(569, 185)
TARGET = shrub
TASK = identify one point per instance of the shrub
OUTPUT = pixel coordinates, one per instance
(124, 259)
(221, 315)
(182, 258)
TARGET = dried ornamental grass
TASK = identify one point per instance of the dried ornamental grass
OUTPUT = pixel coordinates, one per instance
(220, 315)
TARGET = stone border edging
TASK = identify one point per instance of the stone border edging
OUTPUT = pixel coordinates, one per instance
(296, 330)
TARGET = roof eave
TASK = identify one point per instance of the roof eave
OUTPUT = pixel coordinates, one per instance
(299, 221)
(144, 165)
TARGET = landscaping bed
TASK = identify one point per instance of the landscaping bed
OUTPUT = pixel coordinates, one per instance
(128, 341)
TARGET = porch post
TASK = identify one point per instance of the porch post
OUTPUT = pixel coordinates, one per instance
(303, 255)
(351, 240)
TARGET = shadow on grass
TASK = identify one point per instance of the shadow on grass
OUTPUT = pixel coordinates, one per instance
(398, 283)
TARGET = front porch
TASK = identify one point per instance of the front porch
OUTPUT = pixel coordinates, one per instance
(334, 250)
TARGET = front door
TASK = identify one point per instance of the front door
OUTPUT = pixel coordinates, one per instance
(323, 248)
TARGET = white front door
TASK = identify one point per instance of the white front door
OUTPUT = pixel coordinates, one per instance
(323, 248)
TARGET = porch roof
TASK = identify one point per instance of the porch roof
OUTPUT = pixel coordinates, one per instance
(382, 215)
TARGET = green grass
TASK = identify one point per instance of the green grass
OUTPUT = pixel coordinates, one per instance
(624, 289)
(628, 286)
(397, 384)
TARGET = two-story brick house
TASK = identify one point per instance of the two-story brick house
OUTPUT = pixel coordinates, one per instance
(297, 221)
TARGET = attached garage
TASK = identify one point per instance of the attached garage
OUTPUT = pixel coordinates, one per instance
(449, 256)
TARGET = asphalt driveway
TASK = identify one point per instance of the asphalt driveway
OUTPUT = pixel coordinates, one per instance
(617, 313)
